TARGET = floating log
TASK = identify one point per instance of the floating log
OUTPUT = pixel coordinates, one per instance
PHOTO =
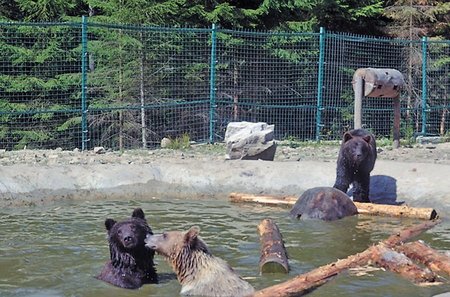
(397, 262)
(273, 253)
(420, 252)
(306, 282)
(363, 208)
(269, 200)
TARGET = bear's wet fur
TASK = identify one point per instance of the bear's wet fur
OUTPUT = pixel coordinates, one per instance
(324, 203)
(131, 263)
(198, 271)
(356, 160)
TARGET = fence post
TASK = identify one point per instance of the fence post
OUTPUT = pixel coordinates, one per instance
(424, 85)
(212, 84)
(320, 83)
(84, 131)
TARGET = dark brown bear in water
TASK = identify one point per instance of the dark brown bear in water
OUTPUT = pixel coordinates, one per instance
(324, 203)
(355, 162)
(131, 264)
(198, 271)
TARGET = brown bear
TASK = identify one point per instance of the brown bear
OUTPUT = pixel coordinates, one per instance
(198, 271)
(356, 160)
(131, 263)
(324, 203)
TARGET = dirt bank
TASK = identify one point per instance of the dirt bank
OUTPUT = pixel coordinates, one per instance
(418, 174)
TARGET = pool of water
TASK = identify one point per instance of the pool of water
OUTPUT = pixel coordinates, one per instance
(57, 249)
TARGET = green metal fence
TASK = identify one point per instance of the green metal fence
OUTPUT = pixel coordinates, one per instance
(81, 85)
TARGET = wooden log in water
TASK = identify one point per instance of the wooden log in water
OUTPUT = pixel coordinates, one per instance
(420, 252)
(273, 253)
(306, 282)
(397, 262)
(363, 208)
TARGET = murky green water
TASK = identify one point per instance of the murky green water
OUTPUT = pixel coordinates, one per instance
(57, 249)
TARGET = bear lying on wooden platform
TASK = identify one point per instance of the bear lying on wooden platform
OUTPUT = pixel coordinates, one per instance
(131, 263)
(198, 271)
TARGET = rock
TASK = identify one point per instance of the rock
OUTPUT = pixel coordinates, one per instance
(250, 141)
(324, 203)
(99, 150)
(165, 142)
(429, 139)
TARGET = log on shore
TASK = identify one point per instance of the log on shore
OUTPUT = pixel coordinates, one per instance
(273, 253)
(420, 252)
(304, 283)
(396, 211)
(363, 208)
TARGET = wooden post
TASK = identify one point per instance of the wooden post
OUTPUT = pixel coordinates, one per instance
(363, 208)
(273, 253)
(380, 83)
(359, 92)
(422, 253)
(396, 127)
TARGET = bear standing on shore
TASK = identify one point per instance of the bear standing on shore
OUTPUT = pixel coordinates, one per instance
(198, 271)
(131, 264)
(355, 162)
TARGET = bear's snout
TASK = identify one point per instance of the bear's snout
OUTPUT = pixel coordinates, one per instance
(150, 241)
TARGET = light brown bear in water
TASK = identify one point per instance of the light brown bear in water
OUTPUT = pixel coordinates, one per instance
(198, 271)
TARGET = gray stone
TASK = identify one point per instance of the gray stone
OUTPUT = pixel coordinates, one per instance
(165, 142)
(429, 139)
(250, 141)
(99, 150)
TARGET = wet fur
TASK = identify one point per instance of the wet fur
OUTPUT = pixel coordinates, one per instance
(131, 263)
(198, 271)
(356, 160)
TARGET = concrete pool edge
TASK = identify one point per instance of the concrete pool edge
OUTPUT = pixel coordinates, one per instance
(419, 184)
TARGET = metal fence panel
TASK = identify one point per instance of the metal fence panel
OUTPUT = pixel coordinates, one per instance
(81, 85)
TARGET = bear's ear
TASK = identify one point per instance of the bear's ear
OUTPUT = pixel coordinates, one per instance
(367, 138)
(138, 213)
(347, 136)
(191, 235)
(109, 223)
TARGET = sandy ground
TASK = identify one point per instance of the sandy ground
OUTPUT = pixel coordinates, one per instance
(418, 175)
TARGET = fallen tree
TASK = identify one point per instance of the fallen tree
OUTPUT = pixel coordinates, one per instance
(363, 208)
(306, 282)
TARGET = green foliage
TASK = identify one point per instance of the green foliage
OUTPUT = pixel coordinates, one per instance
(182, 142)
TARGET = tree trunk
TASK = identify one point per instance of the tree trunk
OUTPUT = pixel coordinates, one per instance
(306, 282)
(437, 262)
(273, 253)
(363, 208)
(399, 263)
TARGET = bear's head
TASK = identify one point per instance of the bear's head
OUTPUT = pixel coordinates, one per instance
(356, 148)
(173, 243)
(128, 234)
(127, 242)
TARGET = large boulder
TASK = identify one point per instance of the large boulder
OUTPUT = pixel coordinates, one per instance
(250, 141)
(324, 203)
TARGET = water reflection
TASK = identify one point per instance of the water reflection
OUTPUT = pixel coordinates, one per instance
(55, 250)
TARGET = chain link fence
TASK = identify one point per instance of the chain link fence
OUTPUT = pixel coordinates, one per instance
(81, 85)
